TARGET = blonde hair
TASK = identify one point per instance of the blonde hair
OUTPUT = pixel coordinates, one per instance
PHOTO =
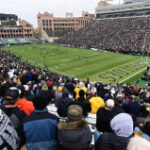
(138, 143)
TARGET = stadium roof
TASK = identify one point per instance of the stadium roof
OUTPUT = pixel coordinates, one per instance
(124, 7)
(132, 1)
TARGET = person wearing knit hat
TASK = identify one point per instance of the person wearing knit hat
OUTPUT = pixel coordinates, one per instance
(122, 126)
(74, 133)
(109, 104)
(41, 126)
(22, 103)
(60, 88)
(75, 113)
(58, 95)
(63, 104)
(104, 116)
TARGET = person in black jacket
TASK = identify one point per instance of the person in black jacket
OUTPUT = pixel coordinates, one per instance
(122, 126)
(63, 104)
(85, 104)
(15, 115)
(74, 134)
(118, 108)
(104, 116)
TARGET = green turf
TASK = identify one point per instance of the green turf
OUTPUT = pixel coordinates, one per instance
(80, 63)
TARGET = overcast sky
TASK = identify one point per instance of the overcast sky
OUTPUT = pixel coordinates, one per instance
(28, 9)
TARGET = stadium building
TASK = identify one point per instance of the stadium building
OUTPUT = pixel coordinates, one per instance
(58, 26)
(128, 8)
(14, 30)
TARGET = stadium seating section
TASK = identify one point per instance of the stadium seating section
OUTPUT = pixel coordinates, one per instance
(118, 34)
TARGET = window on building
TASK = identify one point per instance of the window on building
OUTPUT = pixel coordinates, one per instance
(46, 22)
(43, 22)
(50, 22)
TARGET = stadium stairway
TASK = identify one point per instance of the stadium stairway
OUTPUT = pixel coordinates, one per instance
(91, 119)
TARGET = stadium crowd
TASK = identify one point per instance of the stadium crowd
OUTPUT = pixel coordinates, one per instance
(125, 35)
(122, 111)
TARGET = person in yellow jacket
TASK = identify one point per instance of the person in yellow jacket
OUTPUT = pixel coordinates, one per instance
(79, 87)
(96, 103)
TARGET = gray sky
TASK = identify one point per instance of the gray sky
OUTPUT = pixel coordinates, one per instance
(28, 9)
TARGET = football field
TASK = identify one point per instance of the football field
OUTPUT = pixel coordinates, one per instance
(98, 66)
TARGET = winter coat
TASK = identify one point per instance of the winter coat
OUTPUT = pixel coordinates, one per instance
(58, 96)
(77, 89)
(96, 103)
(40, 130)
(85, 104)
(103, 120)
(133, 108)
(63, 105)
(122, 127)
(74, 135)
(117, 109)
(110, 141)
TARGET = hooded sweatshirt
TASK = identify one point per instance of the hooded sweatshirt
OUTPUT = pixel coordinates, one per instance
(122, 126)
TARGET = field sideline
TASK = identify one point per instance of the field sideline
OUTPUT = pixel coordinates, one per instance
(80, 63)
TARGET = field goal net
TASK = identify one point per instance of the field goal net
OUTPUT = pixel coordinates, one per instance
(146, 49)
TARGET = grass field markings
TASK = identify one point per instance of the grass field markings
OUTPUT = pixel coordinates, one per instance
(65, 60)
(104, 68)
(92, 63)
(113, 75)
(52, 69)
(77, 68)
(91, 66)
(133, 75)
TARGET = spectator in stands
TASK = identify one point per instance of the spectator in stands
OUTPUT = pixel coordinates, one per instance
(123, 35)
(104, 116)
(144, 129)
(63, 104)
(22, 103)
(79, 87)
(9, 137)
(41, 126)
(96, 103)
(122, 126)
(81, 101)
(118, 108)
(10, 108)
(58, 95)
(69, 86)
(74, 134)
(137, 143)
(132, 107)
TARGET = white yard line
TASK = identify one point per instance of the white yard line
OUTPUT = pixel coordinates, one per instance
(56, 71)
(133, 75)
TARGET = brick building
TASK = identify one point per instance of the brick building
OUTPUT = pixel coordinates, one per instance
(11, 26)
(103, 4)
(57, 26)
